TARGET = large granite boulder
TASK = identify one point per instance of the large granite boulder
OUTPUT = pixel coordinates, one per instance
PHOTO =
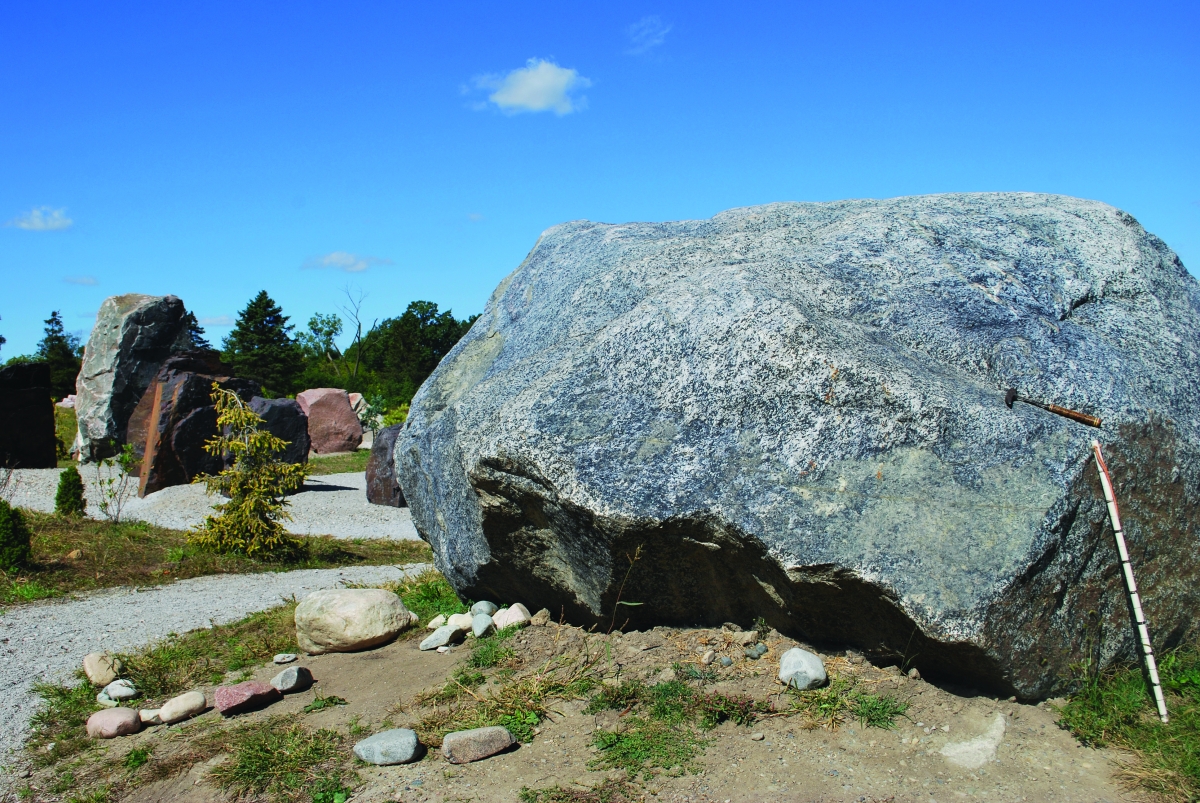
(382, 486)
(333, 425)
(133, 335)
(285, 419)
(796, 411)
(27, 438)
(176, 417)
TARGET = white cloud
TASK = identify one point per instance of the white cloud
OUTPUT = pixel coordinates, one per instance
(85, 281)
(217, 320)
(42, 218)
(646, 34)
(539, 86)
(342, 260)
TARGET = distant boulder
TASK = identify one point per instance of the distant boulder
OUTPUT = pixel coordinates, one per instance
(134, 334)
(383, 488)
(27, 436)
(332, 423)
(285, 419)
(796, 411)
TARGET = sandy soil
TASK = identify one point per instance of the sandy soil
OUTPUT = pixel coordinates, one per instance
(951, 745)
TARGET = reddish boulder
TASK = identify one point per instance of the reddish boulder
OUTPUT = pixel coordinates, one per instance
(247, 696)
(27, 438)
(383, 488)
(332, 423)
(113, 722)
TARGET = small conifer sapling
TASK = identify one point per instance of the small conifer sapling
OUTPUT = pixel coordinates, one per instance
(69, 499)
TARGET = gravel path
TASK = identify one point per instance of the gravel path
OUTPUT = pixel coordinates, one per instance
(332, 504)
(47, 641)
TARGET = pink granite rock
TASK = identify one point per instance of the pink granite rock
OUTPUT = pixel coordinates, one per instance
(332, 424)
(113, 722)
(463, 747)
(246, 696)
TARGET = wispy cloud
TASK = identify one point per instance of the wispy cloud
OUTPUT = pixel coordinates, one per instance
(42, 218)
(85, 281)
(474, 217)
(539, 86)
(217, 320)
(342, 260)
(646, 34)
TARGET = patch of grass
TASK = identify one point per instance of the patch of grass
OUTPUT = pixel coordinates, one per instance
(181, 662)
(339, 463)
(60, 721)
(330, 790)
(137, 757)
(643, 746)
(702, 674)
(429, 594)
(830, 705)
(519, 704)
(281, 758)
(135, 553)
(1115, 708)
(491, 650)
(320, 703)
(611, 791)
(100, 795)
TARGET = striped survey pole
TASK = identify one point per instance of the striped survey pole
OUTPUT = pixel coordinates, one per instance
(1142, 632)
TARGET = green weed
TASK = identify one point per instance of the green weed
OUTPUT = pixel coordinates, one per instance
(320, 703)
(611, 791)
(644, 745)
(60, 721)
(491, 650)
(137, 757)
(428, 595)
(330, 790)
(282, 758)
(1116, 709)
(830, 705)
(100, 795)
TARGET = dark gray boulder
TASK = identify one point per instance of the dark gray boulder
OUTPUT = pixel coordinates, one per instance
(383, 488)
(796, 411)
(285, 420)
(27, 437)
(134, 334)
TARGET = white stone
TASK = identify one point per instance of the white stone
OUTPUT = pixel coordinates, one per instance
(515, 615)
(150, 716)
(348, 619)
(801, 669)
(120, 690)
(101, 669)
(437, 621)
(444, 635)
(285, 657)
(180, 708)
(462, 621)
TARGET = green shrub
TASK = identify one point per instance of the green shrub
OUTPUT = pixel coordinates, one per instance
(14, 537)
(69, 500)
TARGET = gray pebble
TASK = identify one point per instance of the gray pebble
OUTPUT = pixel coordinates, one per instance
(397, 746)
(120, 690)
(483, 606)
(293, 679)
(726, 660)
(285, 657)
(442, 637)
(481, 624)
(801, 669)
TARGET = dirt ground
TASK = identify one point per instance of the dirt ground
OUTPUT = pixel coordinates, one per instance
(948, 746)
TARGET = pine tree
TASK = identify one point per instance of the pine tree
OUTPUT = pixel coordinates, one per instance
(196, 332)
(69, 499)
(14, 537)
(64, 354)
(261, 347)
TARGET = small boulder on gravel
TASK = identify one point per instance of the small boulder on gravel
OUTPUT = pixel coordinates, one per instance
(444, 635)
(180, 708)
(514, 615)
(332, 424)
(293, 679)
(483, 606)
(349, 619)
(481, 625)
(396, 746)
(101, 669)
(246, 696)
(113, 722)
(463, 747)
(801, 669)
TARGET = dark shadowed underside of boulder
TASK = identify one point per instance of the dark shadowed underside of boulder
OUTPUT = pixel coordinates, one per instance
(796, 411)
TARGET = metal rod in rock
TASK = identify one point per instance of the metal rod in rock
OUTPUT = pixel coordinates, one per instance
(1083, 418)
(1135, 601)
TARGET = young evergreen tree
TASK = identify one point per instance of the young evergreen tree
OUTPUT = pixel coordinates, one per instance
(69, 499)
(261, 346)
(14, 538)
(64, 354)
(196, 332)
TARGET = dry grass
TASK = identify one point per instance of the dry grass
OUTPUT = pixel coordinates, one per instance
(136, 554)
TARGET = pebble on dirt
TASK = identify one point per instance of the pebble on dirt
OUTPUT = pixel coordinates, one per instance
(483, 606)
(463, 747)
(481, 625)
(396, 746)
(462, 621)
(245, 696)
(113, 722)
(150, 716)
(541, 618)
(708, 658)
(180, 708)
(437, 621)
(444, 635)
(120, 690)
(516, 614)
(285, 657)
(293, 679)
(101, 669)
(801, 669)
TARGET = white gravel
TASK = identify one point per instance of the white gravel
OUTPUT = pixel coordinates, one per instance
(332, 504)
(47, 641)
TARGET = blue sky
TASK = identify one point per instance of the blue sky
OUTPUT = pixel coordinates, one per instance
(212, 150)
